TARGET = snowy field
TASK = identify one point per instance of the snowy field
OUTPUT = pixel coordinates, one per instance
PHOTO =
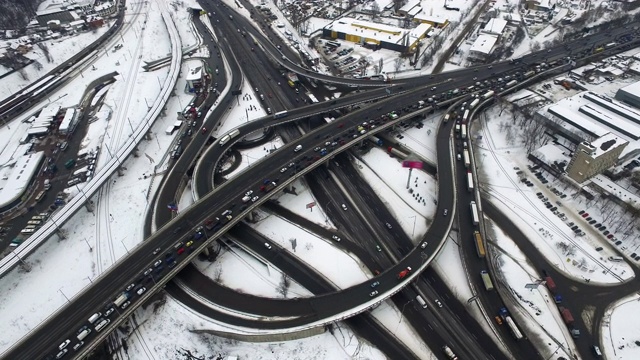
(95, 240)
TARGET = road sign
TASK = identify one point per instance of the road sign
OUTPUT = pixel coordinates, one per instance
(412, 164)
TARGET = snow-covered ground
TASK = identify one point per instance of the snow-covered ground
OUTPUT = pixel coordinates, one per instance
(619, 336)
(96, 240)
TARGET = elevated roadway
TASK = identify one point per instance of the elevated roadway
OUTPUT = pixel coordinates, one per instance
(74, 315)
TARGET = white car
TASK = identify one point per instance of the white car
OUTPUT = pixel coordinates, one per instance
(255, 198)
(130, 287)
(373, 293)
(148, 271)
(424, 245)
(283, 170)
(248, 193)
(438, 302)
(336, 238)
(141, 290)
(157, 263)
(344, 207)
(267, 245)
(64, 344)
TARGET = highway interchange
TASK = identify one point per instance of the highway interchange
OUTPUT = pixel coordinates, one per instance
(43, 340)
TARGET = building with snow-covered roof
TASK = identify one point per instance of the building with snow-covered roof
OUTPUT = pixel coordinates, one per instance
(69, 122)
(194, 78)
(105, 9)
(382, 35)
(539, 5)
(495, 26)
(596, 115)
(482, 47)
(410, 5)
(49, 111)
(592, 158)
(77, 25)
(17, 179)
(630, 94)
(438, 21)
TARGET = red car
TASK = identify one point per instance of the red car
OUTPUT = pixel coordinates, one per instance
(585, 215)
(341, 125)
(180, 251)
(610, 236)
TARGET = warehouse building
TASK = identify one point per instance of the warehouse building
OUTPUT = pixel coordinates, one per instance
(374, 34)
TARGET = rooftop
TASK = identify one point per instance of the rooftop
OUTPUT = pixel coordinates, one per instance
(606, 143)
(495, 26)
(367, 29)
(16, 179)
(484, 43)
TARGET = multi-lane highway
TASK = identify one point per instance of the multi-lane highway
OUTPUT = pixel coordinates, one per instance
(98, 298)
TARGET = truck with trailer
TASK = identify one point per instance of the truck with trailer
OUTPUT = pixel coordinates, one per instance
(396, 152)
(375, 140)
(512, 325)
(566, 315)
(474, 103)
(121, 299)
(551, 285)
(488, 94)
(402, 274)
(486, 279)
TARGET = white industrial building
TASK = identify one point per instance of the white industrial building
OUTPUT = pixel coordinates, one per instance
(596, 115)
(487, 38)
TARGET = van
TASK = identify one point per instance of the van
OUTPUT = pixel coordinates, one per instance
(615, 258)
(84, 331)
(421, 301)
(40, 196)
(298, 148)
(94, 317)
(102, 324)
(246, 199)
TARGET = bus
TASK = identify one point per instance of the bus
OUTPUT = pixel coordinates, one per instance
(486, 279)
(474, 212)
(280, 114)
(465, 117)
(480, 249)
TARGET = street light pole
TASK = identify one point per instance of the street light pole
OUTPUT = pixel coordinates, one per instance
(125, 247)
(414, 225)
(65, 296)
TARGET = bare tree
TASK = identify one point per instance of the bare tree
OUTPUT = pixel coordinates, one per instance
(283, 287)
(375, 9)
(397, 64)
(37, 65)
(45, 51)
